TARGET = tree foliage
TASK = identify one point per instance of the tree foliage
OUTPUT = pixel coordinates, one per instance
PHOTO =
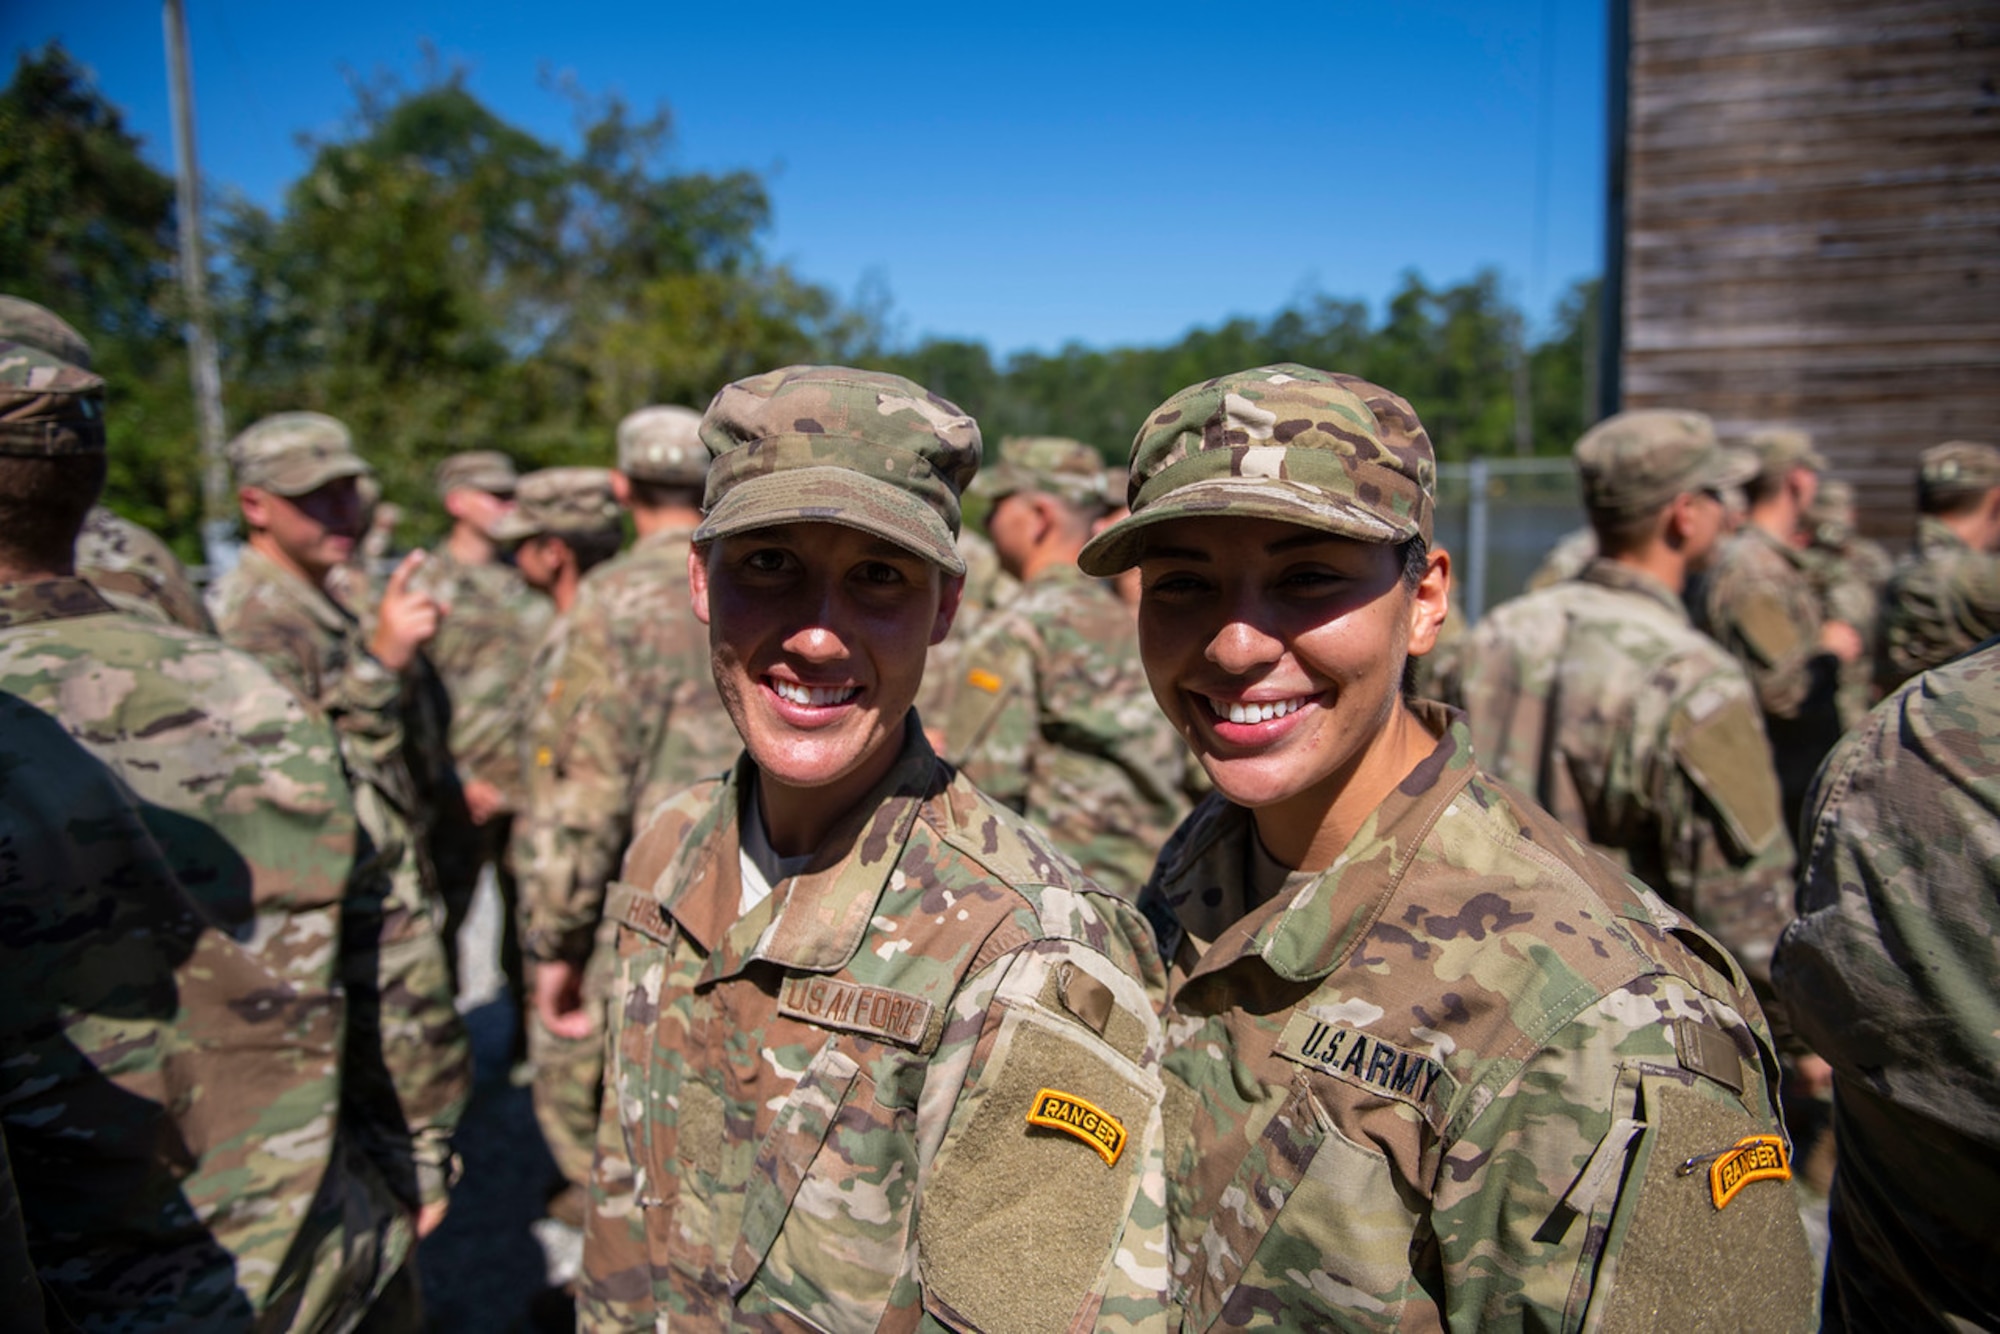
(443, 280)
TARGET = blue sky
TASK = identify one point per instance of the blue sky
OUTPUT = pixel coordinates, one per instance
(1026, 175)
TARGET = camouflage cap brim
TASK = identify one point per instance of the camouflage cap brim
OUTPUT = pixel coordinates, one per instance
(1119, 547)
(833, 494)
(296, 477)
(513, 527)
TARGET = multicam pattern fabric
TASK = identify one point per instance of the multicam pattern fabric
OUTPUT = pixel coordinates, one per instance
(1285, 442)
(178, 1097)
(1757, 601)
(866, 449)
(291, 453)
(1566, 559)
(817, 1111)
(1848, 575)
(137, 573)
(1642, 736)
(1448, 1082)
(1052, 717)
(1939, 603)
(48, 408)
(1890, 971)
(315, 647)
(481, 651)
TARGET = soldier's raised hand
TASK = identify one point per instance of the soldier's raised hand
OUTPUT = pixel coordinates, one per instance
(406, 618)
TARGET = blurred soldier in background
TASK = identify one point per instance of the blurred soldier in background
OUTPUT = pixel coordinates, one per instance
(565, 521)
(1052, 715)
(1848, 573)
(1891, 972)
(1945, 597)
(1630, 726)
(482, 651)
(295, 476)
(1758, 603)
(128, 564)
(862, 1015)
(193, 1136)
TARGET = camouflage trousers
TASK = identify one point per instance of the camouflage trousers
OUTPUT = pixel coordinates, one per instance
(569, 1078)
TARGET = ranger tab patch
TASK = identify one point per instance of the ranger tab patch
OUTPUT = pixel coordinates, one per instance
(877, 1011)
(1755, 1158)
(1367, 1061)
(1082, 1118)
(981, 679)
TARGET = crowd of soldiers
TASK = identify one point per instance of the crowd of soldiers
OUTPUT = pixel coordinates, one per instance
(1151, 913)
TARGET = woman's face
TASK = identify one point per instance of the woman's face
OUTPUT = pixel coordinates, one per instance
(1277, 652)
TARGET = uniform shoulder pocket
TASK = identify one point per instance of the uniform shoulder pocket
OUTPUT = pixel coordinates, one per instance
(1725, 756)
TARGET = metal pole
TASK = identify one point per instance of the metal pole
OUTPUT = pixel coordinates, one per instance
(217, 526)
(1477, 480)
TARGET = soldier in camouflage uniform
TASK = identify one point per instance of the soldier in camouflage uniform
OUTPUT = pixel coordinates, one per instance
(1435, 1062)
(193, 1140)
(1848, 573)
(125, 562)
(481, 653)
(1052, 716)
(1945, 597)
(1890, 971)
(1633, 728)
(880, 1056)
(295, 482)
(1757, 601)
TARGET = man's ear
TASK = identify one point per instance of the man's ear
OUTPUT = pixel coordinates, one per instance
(621, 489)
(949, 595)
(1430, 602)
(255, 503)
(698, 582)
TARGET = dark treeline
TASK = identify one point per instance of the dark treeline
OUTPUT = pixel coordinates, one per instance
(442, 280)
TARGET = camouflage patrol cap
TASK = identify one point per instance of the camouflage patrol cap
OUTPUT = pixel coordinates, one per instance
(1633, 463)
(560, 502)
(663, 445)
(485, 470)
(1068, 469)
(1314, 448)
(48, 408)
(1782, 448)
(1956, 471)
(291, 453)
(827, 444)
(22, 321)
(1830, 517)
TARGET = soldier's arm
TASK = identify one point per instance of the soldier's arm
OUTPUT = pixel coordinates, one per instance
(1580, 1194)
(408, 1062)
(576, 818)
(1040, 1124)
(991, 728)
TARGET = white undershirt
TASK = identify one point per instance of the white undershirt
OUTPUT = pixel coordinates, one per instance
(760, 866)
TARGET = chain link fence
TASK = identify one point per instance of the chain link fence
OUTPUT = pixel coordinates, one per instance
(1499, 518)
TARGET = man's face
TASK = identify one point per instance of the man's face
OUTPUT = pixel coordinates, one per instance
(480, 509)
(1707, 523)
(314, 531)
(1012, 524)
(539, 560)
(1277, 652)
(817, 633)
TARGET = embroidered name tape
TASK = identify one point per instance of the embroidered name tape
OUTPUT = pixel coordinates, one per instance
(1082, 1118)
(981, 679)
(894, 1015)
(1755, 1158)
(1365, 1060)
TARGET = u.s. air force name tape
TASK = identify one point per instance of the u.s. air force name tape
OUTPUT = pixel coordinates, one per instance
(1082, 1118)
(830, 1003)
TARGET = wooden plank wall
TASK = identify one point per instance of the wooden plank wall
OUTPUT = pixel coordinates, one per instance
(1813, 225)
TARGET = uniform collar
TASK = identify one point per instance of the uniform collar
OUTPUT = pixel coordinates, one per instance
(1615, 574)
(1306, 932)
(1935, 537)
(1757, 533)
(315, 602)
(816, 920)
(59, 598)
(673, 535)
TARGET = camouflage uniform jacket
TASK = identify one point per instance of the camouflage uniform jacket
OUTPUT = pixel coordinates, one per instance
(817, 1113)
(1053, 717)
(136, 572)
(315, 647)
(1641, 735)
(1448, 1082)
(1891, 972)
(1848, 580)
(482, 650)
(630, 717)
(176, 843)
(1758, 603)
(1939, 603)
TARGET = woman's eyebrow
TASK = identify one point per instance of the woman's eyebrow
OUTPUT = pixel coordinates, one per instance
(1308, 538)
(1174, 553)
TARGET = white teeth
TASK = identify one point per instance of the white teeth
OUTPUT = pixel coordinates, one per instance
(818, 697)
(1262, 712)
